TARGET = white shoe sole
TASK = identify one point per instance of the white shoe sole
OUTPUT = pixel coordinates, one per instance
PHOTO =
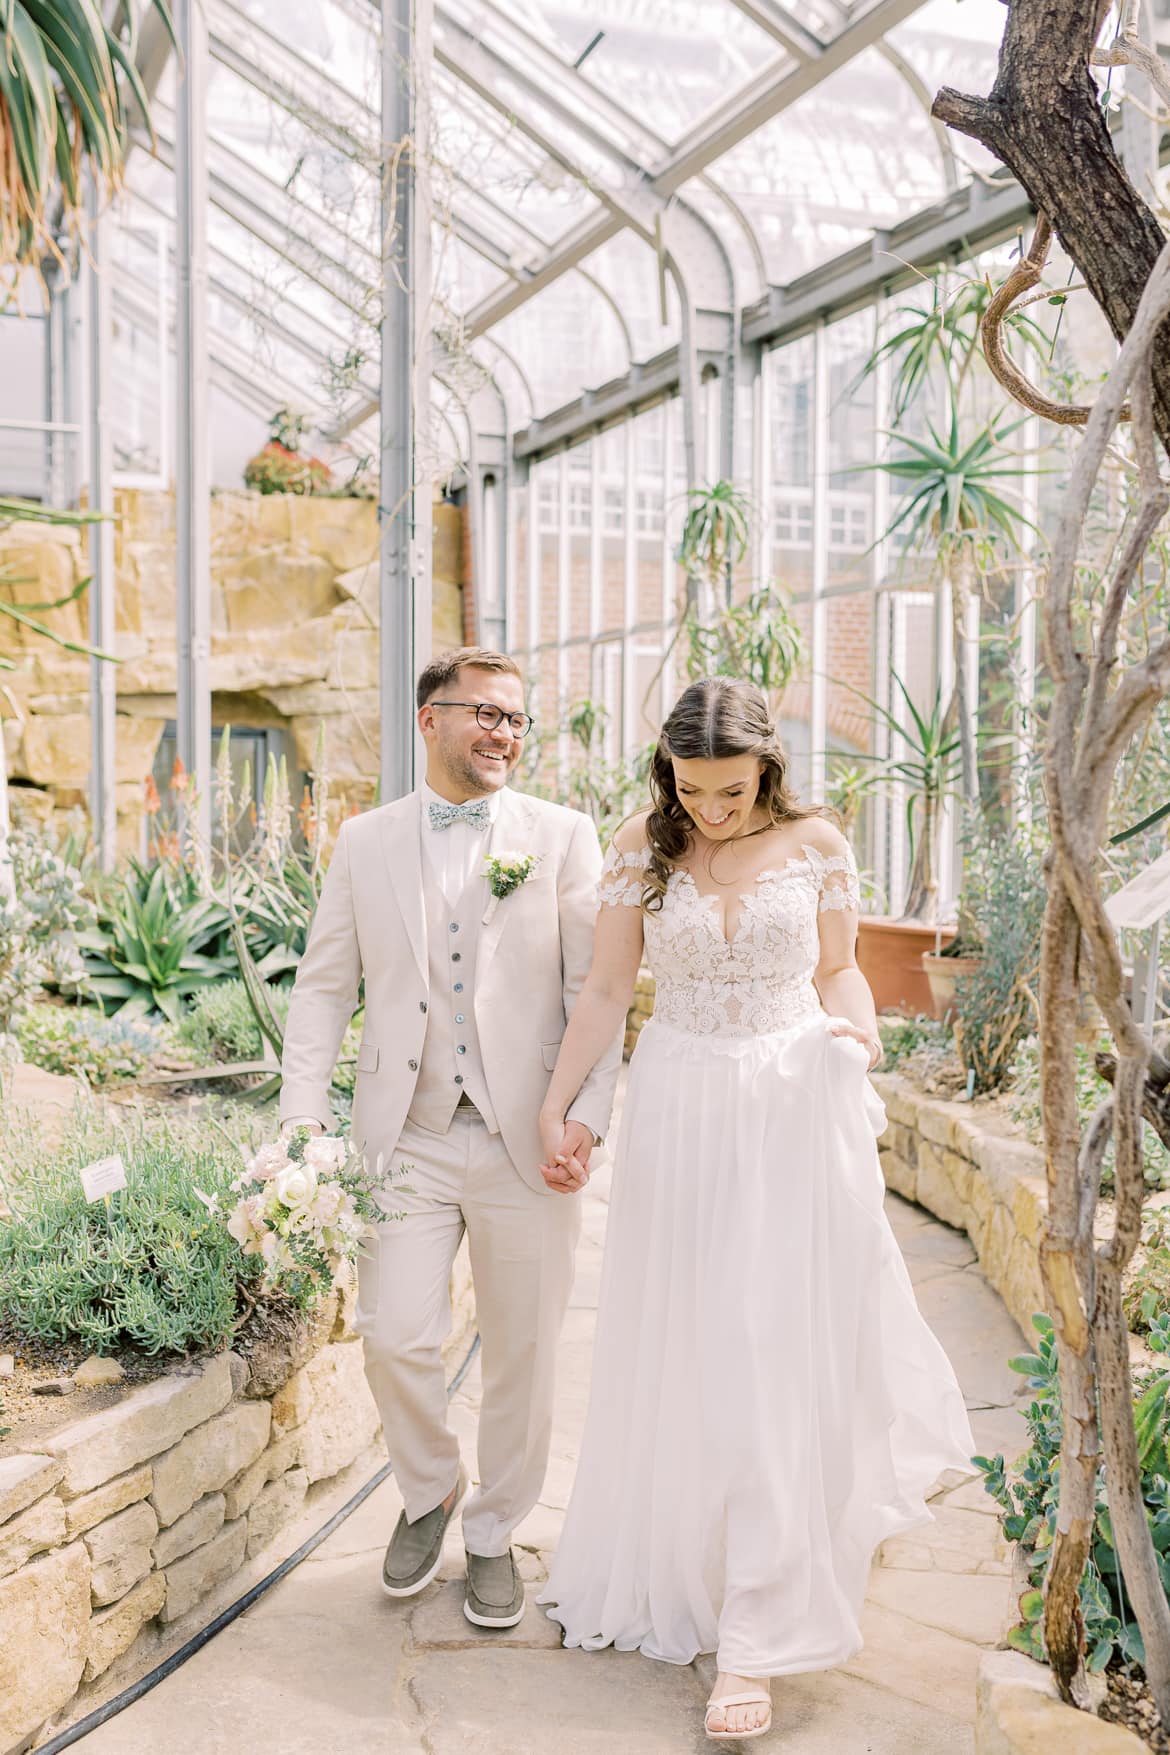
(490, 1621)
(412, 1590)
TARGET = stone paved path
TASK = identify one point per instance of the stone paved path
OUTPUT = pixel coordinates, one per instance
(326, 1663)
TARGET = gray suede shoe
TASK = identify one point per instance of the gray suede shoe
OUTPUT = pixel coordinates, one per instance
(495, 1591)
(416, 1549)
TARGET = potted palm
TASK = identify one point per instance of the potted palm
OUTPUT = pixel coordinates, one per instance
(923, 772)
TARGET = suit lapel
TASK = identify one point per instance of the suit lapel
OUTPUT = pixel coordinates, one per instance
(511, 833)
(401, 834)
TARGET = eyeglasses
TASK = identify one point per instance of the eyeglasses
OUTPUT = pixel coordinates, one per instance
(489, 717)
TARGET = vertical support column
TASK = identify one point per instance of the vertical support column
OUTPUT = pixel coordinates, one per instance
(102, 675)
(192, 459)
(629, 588)
(596, 668)
(818, 639)
(666, 681)
(886, 816)
(405, 509)
(564, 611)
(761, 470)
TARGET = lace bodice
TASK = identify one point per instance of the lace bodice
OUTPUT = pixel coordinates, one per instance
(759, 978)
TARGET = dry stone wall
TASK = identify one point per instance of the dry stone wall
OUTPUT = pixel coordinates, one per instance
(123, 1523)
(966, 1165)
(294, 639)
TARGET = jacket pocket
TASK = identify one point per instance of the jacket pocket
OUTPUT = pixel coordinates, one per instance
(549, 1052)
(367, 1060)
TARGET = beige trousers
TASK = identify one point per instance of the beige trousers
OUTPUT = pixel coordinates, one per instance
(522, 1247)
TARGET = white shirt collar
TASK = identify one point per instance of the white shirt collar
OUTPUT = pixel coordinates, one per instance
(428, 796)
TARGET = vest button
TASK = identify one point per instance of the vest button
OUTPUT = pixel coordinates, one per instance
(413, 1065)
(454, 928)
(422, 1005)
(459, 1018)
(459, 987)
(458, 1078)
(462, 1048)
(456, 956)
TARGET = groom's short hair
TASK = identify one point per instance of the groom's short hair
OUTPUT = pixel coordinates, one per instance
(442, 671)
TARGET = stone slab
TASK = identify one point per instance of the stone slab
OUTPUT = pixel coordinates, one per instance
(149, 1420)
(1018, 1712)
(112, 1578)
(437, 1623)
(195, 1574)
(44, 1612)
(114, 1630)
(81, 1514)
(24, 1479)
(345, 1416)
(39, 1527)
(205, 1519)
(134, 1527)
(275, 1506)
(971, 1608)
(207, 1458)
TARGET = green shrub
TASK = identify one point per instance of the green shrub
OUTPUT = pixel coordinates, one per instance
(40, 925)
(221, 1025)
(80, 1042)
(1028, 1498)
(1003, 909)
(905, 1036)
(1023, 1101)
(150, 1267)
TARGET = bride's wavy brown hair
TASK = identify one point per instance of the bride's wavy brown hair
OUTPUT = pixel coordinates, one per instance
(714, 718)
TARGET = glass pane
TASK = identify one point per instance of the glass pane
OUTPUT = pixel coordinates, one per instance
(852, 419)
(790, 371)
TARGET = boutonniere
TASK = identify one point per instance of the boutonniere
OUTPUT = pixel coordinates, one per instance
(507, 871)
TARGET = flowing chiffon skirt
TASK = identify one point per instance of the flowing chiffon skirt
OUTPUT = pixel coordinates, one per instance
(767, 1403)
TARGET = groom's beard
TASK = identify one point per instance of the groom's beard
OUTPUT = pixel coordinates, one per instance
(463, 772)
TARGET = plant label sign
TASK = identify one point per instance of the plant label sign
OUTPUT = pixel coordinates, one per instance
(104, 1176)
(1144, 899)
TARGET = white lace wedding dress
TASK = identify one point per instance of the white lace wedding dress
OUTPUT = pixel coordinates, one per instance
(767, 1402)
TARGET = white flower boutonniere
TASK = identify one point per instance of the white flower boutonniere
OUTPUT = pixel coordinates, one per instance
(507, 871)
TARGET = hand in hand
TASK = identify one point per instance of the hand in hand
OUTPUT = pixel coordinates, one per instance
(871, 1044)
(288, 1128)
(567, 1145)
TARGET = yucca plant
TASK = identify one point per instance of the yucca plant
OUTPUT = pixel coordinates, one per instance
(715, 536)
(927, 771)
(67, 82)
(955, 511)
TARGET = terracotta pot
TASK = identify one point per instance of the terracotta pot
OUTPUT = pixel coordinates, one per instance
(942, 973)
(889, 955)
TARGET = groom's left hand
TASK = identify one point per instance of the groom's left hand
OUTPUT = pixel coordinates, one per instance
(567, 1172)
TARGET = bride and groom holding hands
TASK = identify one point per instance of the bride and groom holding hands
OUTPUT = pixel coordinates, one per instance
(767, 1404)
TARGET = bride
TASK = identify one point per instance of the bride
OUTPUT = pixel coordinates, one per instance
(767, 1403)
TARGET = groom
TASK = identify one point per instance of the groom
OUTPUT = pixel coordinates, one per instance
(466, 999)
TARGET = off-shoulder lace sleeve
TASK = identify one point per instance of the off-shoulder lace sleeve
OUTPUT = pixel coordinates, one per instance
(623, 877)
(837, 881)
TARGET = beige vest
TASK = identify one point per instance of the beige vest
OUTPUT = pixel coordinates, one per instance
(451, 1062)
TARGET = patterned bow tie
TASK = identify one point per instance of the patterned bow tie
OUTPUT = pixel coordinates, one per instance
(475, 814)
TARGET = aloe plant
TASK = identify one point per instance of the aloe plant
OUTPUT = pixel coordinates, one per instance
(715, 537)
(157, 940)
(68, 80)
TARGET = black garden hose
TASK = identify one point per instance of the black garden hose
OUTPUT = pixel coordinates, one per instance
(102, 1714)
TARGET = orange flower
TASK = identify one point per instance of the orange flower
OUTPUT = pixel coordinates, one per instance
(178, 777)
(153, 801)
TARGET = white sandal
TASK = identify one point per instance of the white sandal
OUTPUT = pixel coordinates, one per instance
(755, 1698)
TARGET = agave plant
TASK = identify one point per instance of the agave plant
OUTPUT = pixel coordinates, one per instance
(157, 940)
(67, 79)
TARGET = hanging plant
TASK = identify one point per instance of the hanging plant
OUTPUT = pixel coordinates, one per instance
(68, 86)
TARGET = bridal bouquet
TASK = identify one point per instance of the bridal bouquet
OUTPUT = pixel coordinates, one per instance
(307, 1203)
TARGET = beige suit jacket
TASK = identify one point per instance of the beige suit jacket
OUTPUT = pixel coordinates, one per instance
(533, 955)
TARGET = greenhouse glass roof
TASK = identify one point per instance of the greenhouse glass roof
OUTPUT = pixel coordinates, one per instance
(601, 174)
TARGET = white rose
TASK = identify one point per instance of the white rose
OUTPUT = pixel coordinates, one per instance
(296, 1185)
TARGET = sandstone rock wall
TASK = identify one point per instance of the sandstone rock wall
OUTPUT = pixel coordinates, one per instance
(125, 1522)
(965, 1165)
(293, 645)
